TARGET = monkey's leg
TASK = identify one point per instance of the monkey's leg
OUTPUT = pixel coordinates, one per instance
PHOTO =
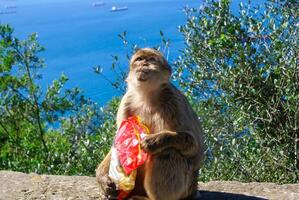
(182, 141)
(107, 187)
(167, 176)
(193, 187)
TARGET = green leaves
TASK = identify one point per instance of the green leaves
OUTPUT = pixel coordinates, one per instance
(57, 131)
(5, 33)
(246, 64)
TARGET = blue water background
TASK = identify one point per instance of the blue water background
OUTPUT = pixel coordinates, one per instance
(78, 36)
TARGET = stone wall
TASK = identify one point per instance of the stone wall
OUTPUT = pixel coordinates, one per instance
(16, 185)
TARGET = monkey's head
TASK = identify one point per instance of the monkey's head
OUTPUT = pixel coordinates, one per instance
(149, 69)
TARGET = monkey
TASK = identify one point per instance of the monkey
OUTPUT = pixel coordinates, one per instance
(175, 142)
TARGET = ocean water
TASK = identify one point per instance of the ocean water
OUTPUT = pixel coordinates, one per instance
(78, 36)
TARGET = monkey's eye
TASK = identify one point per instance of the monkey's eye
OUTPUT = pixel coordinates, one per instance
(138, 59)
(151, 59)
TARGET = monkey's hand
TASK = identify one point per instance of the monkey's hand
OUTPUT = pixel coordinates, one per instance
(154, 143)
(182, 141)
(108, 188)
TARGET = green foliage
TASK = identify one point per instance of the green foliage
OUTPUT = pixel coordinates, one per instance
(58, 131)
(242, 73)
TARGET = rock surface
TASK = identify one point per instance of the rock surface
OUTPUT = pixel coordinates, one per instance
(16, 185)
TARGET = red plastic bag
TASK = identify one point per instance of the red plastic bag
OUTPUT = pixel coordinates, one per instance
(127, 155)
(128, 144)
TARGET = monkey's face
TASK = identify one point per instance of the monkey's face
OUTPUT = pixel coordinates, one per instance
(148, 66)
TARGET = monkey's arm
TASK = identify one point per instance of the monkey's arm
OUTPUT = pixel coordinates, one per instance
(122, 113)
(108, 188)
(103, 168)
(106, 184)
(182, 141)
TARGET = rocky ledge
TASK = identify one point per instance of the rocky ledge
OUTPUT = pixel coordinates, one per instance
(21, 186)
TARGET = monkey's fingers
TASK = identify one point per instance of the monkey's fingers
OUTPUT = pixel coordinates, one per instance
(108, 188)
(111, 189)
(151, 144)
(111, 192)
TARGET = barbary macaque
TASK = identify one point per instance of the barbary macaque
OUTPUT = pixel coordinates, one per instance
(175, 142)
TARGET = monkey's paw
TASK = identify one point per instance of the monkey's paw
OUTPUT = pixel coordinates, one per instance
(151, 144)
(108, 188)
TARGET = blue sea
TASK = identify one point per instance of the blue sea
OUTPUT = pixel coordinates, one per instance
(79, 36)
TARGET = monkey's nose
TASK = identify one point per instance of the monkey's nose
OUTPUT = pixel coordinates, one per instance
(144, 63)
(144, 70)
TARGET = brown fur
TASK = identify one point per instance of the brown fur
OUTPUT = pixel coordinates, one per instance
(175, 144)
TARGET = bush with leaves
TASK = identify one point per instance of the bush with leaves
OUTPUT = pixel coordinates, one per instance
(241, 70)
(58, 131)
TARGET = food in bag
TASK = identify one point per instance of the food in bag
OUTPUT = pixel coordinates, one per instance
(127, 155)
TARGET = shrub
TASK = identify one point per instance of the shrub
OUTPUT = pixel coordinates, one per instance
(241, 71)
(57, 131)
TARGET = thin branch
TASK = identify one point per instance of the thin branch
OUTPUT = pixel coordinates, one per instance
(4, 128)
(36, 105)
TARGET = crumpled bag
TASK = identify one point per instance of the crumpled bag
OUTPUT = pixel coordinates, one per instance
(127, 155)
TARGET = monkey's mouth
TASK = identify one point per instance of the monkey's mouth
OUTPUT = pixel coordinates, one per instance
(142, 75)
